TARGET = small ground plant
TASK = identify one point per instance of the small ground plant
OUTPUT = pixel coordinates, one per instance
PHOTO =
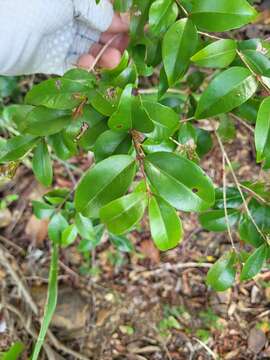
(148, 141)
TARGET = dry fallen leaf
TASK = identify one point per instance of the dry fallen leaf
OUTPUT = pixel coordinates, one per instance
(5, 218)
(37, 230)
(256, 340)
(150, 251)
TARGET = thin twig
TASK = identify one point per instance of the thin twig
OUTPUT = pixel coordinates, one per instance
(22, 287)
(258, 77)
(102, 51)
(211, 36)
(244, 123)
(210, 352)
(238, 185)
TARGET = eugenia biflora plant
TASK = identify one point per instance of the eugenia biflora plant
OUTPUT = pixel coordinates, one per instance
(148, 142)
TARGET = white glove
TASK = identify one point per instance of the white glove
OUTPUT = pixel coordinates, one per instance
(48, 36)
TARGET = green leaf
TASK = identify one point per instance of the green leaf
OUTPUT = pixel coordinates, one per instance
(69, 235)
(105, 182)
(257, 61)
(219, 54)
(17, 114)
(42, 210)
(122, 243)
(14, 352)
(8, 85)
(42, 165)
(222, 274)
(84, 227)
(226, 129)
(112, 143)
(121, 120)
(162, 15)
(123, 214)
(262, 130)
(179, 181)
(42, 121)
(248, 231)
(56, 226)
(229, 89)
(165, 224)
(222, 15)
(17, 147)
(102, 103)
(59, 94)
(130, 114)
(63, 145)
(204, 142)
(215, 220)
(166, 121)
(254, 263)
(179, 44)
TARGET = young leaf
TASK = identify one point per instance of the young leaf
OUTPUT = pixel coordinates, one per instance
(179, 181)
(166, 120)
(262, 130)
(219, 54)
(222, 274)
(179, 44)
(130, 114)
(121, 120)
(69, 235)
(84, 227)
(254, 263)
(105, 182)
(42, 165)
(42, 210)
(123, 214)
(165, 224)
(215, 220)
(229, 89)
(162, 15)
(222, 15)
(16, 147)
(122, 243)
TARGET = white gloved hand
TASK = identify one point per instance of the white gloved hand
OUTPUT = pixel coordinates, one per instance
(48, 36)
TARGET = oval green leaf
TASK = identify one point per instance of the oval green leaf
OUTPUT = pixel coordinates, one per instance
(179, 181)
(106, 181)
(228, 90)
(219, 54)
(179, 44)
(165, 224)
(123, 214)
(222, 15)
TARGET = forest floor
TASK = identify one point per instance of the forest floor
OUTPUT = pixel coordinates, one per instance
(142, 305)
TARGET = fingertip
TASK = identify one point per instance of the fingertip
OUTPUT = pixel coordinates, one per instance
(119, 24)
(86, 61)
(110, 59)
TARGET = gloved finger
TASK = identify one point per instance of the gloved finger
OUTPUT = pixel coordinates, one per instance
(120, 43)
(119, 24)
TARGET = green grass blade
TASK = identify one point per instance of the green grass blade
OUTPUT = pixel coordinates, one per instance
(51, 300)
